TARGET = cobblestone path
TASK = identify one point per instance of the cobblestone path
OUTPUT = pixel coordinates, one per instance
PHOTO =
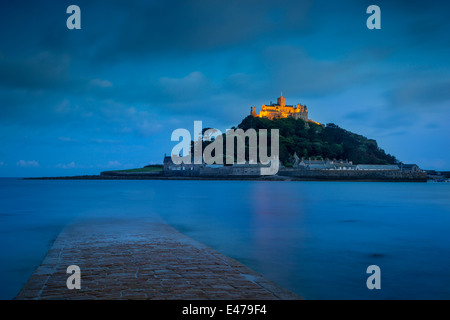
(122, 259)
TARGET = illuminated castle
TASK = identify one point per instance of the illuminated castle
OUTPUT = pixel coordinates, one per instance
(281, 110)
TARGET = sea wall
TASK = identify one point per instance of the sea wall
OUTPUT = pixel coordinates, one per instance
(225, 171)
(248, 173)
(351, 175)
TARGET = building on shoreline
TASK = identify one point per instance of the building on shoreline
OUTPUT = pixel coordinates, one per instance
(299, 164)
(203, 169)
(306, 170)
(310, 169)
(327, 164)
(413, 168)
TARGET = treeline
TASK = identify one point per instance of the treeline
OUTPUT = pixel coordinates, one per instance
(309, 139)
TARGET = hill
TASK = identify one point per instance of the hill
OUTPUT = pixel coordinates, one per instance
(309, 139)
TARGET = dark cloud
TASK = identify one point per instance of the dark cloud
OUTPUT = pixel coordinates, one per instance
(358, 115)
(291, 69)
(41, 71)
(137, 70)
(422, 94)
(184, 27)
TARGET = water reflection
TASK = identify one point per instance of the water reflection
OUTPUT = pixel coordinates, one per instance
(316, 239)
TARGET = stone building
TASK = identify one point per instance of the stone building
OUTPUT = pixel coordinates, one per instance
(281, 110)
(325, 164)
(169, 165)
(204, 170)
(413, 168)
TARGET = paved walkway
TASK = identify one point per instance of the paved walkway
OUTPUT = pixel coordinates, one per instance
(124, 259)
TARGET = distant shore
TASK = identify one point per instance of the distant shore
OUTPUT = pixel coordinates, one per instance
(161, 177)
(150, 176)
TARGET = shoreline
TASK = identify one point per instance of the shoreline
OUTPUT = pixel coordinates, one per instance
(227, 178)
(123, 259)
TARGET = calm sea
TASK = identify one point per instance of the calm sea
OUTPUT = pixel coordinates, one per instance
(314, 238)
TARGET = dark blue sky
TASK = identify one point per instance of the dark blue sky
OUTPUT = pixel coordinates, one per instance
(108, 96)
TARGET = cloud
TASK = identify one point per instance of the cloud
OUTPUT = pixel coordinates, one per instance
(148, 127)
(423, 94)
(191, 87)
(27, 164)
(108, 141)
(184, 27)
(67, 139)
(43, 70)
(70, 165)
(111, 164)
(100, 83)
(358, 115)
(63, 107)
(158, 65)
(292, 69)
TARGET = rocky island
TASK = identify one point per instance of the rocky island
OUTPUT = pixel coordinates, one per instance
(308, 150)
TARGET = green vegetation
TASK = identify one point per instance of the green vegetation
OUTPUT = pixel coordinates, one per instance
(309, 139)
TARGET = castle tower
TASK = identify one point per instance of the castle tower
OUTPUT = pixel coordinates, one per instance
(281, 101)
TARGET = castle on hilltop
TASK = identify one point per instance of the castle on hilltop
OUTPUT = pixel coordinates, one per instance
(281, 110)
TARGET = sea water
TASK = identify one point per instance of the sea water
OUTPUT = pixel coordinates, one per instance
(314, 238)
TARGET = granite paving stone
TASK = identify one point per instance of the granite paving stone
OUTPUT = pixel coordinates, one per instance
(140, 259)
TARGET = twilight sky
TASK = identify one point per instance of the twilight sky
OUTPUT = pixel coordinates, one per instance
(108, 96)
